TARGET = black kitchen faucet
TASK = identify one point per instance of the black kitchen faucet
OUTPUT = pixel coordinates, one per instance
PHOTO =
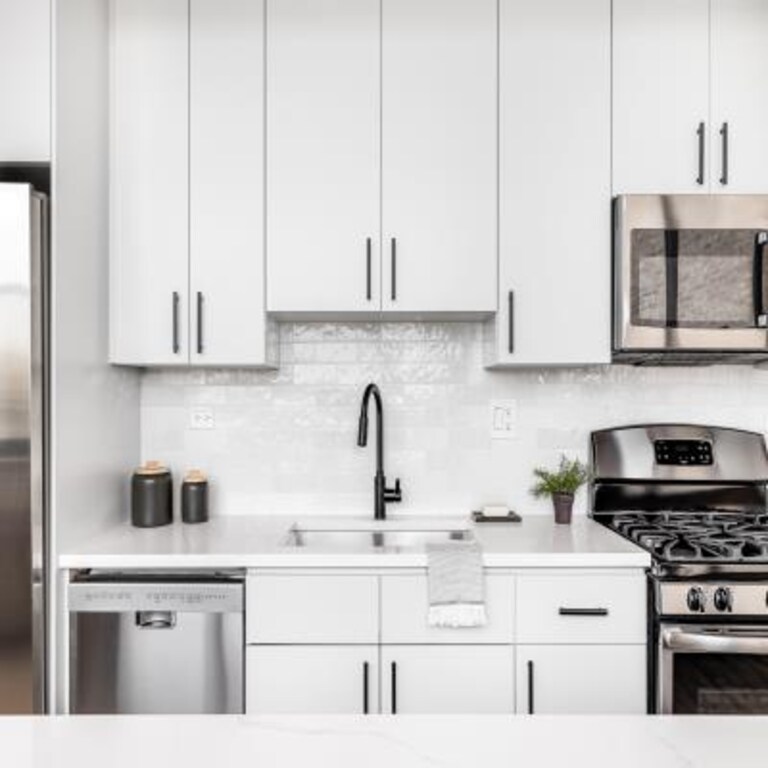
(381, 494)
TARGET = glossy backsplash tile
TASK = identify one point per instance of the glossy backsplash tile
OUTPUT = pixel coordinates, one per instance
(284, 441)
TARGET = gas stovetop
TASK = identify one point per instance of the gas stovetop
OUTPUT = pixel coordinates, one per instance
(697, 537)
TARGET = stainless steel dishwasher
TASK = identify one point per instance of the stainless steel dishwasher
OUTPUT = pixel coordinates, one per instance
(150, 643)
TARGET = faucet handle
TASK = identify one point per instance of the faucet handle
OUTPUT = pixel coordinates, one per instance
(394, 494)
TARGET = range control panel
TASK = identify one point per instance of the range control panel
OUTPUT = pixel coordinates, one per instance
(683, 453)
(741, 598)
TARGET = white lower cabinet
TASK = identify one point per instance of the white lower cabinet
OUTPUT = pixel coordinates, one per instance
(319, 679)
(562, 641)
(447, 679)
(581, 679)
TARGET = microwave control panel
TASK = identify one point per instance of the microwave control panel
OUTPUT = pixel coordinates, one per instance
(683, 453)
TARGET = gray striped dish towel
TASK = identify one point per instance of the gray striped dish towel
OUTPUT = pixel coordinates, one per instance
(456, 585)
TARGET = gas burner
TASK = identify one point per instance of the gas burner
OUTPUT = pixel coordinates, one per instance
(715, 536)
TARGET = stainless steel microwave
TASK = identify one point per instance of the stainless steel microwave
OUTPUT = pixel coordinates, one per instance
(690, 283)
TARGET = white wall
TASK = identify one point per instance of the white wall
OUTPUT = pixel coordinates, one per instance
(285, 440)
(96, 432)
(95, 429)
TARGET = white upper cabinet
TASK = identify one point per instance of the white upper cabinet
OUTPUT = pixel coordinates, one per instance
(661, 96)
(187, 183)
(227, 285)
(555, 194)
(25, 81)
(439, 161)
(739, 148)
(689, 102)
(381, 156)
(323, 155)
(149, 182)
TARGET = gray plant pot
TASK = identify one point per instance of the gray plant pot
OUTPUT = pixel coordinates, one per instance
(563, 504)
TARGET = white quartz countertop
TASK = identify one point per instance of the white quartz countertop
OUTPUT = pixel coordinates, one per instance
(260, 541)
(379, 742)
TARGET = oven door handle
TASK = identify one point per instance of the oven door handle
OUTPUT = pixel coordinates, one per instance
(686, 641)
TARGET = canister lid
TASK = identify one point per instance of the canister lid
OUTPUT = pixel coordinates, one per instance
(152, 468)
(195, 476)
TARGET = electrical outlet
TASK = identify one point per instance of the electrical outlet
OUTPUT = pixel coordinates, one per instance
(202, 418)
(503, 419)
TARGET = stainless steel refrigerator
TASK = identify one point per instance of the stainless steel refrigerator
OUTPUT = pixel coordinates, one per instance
(23, 448)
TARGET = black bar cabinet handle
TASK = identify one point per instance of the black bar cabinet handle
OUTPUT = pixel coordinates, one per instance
(531, 708)
(583, 611)
(511, 319)
(393, 682)
(393, 246)
(368, 287)
(176, 345)
(700, 134)
(199, 323)
(724, 137)
(365, 687)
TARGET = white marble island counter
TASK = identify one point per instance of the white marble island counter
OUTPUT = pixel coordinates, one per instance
(384, 742)
(260, 542)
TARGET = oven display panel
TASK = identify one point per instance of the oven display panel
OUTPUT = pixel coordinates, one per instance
(683, 453)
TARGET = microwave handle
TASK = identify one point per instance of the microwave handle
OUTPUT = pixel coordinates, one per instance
(761, 318)
(691, 641)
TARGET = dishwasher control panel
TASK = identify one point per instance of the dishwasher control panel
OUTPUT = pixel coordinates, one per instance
(109, 597)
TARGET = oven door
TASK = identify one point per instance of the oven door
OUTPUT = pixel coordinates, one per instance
(712, 669)
(691, 273)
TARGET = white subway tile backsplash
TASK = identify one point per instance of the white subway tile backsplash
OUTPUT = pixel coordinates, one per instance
(285, 440)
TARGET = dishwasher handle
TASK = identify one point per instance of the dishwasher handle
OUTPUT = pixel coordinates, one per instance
(155, 619)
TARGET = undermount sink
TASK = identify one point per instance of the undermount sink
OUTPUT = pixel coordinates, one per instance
(379, 540)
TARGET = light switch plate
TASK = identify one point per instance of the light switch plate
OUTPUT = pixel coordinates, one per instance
(503, 419)
(202, 418)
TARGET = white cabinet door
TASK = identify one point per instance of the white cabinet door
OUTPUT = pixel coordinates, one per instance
(739, 96)
(555, 193)
(227, 311)
(312, 609)
(404, 609)
(447, 679)
(581, 679)
(577, 607)
(439, 161)
(311, 680)
(25, 81)
(149, 218)
(660, 95)
(323, 155)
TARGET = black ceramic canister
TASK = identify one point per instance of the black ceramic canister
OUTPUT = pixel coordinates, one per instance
(151, 496)
(194, 497)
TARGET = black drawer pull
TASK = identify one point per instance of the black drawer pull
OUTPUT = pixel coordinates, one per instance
(583, 611)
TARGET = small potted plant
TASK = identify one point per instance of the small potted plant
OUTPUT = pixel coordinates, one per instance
(560, 485)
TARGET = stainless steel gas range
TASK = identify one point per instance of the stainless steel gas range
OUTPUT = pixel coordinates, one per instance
(695, 498)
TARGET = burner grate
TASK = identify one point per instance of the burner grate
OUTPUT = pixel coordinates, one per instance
(703, 536)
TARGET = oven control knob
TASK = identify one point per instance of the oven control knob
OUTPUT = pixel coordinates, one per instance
(723, 599)
(696, 599)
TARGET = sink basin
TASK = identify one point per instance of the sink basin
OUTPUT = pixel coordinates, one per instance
(378, 540)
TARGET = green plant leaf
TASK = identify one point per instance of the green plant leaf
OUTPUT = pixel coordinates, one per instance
(570, 475)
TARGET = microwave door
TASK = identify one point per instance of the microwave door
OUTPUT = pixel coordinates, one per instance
(688, 283)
